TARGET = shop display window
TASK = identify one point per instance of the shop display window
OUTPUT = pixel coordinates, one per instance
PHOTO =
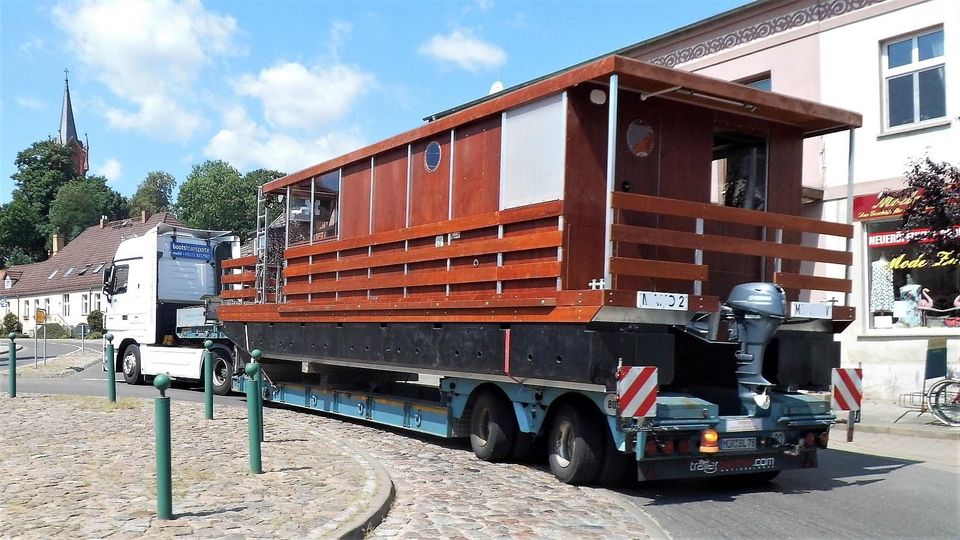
(908, 288)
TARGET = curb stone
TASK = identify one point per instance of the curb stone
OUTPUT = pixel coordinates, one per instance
(380, 502)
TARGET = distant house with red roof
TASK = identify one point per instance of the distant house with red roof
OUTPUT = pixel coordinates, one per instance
(68, 284)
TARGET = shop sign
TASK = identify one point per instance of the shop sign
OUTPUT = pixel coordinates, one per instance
(881, 205)
(940, 259)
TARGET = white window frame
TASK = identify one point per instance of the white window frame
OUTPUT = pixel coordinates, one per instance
(84, 304)
(96, 301)
(66, 305)
(913, 68)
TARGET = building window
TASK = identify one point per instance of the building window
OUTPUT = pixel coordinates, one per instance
(909, 288)
(760, 82)
(96, 301)
(66, 305)
(914, 71)
(26, 310)
(84, 304)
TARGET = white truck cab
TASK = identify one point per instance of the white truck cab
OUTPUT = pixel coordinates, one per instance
(162, 290)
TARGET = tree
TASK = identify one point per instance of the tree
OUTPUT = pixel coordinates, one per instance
(41, 170)
(154, 194)
(933, 217)
(95, 320)
(80, 203)
(11, 323)
(215, 196)
(21, 232)
(260, 177)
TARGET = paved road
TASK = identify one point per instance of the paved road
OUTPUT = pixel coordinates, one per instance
(852, 495)
(27, 355)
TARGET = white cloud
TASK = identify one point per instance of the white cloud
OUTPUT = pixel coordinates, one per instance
(295, 97)
(246, 145)
(485, 5)
(30, 102)
(148, 53)
(112, 169)
(463, 49)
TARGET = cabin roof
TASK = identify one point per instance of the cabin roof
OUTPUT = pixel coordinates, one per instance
(636, 76)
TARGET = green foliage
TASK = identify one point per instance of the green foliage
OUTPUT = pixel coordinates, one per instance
(94, 335)
(41, 170)
(153, 194)
(21, 233)
(56, 331)
(215, 196)
(933, 217)
(80, 203)
(260, 177)
(11, 323)
(95, 321)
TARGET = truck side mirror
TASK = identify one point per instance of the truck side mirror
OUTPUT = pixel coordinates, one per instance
(108, 280)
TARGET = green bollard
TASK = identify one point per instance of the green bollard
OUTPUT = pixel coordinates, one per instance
(256, 354)
(111, 368)
(253, 418)
(12, 358)
(208, 379)
(162, 424)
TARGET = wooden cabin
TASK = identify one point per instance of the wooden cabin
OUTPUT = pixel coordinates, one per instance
(555, 201)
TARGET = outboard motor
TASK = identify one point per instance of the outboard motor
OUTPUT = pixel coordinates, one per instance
(758, 310)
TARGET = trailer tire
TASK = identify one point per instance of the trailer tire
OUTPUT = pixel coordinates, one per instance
(131, 365)
(492, 427)
(575, 446)
(222, 372)
(616, 467)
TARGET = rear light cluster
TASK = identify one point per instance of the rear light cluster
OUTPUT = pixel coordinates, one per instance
(667, 447)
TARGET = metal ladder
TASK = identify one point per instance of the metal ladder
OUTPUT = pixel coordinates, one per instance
(261, 280)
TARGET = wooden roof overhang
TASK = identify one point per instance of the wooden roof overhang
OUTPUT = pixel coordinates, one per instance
(648, 79)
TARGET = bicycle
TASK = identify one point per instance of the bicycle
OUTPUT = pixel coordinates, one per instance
(943, 401)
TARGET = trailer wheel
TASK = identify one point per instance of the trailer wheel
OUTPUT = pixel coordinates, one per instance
(617, 466)
(575, 446)
(492, 428)
(131, 365)
(222, 372)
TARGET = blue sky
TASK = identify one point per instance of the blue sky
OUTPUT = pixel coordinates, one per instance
(166, 84)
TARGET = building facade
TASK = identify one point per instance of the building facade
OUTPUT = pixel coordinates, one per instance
(892, 61)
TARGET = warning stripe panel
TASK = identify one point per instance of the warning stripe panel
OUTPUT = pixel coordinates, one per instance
(847, 393)
(637, 391)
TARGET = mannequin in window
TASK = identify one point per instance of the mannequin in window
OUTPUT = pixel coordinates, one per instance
(881, 285)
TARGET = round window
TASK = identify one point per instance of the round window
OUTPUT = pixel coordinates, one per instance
(431, 158)
(640, 138)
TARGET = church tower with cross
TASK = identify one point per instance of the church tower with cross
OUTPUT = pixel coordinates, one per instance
(68, 132)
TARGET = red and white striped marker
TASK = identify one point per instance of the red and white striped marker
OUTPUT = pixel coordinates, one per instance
(847, 383)
(637, 391)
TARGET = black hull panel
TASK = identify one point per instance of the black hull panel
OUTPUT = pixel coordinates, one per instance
(571, 353)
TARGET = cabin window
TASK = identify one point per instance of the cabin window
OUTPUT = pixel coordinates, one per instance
(326, 198)
(739, 170)
(533, 141)
(120, 275)
(914, 84)
(431, 157)
(640, 138)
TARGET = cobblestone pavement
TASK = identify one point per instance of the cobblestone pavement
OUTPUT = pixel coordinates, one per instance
(444, 491)
(81, 467)
(90, 475)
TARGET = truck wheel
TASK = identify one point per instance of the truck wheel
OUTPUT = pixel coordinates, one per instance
(575, 446)
(222, 372)
(131, 365)
(492, 428)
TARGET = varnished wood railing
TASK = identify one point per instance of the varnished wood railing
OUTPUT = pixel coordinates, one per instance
(775, 225)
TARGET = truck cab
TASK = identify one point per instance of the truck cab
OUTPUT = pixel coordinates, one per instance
(162, 294)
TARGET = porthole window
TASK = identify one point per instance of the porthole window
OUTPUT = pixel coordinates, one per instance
(640, 138)
(431, 158)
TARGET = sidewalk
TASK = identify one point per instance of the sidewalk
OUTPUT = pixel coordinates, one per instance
(879, 416)
(83, 467)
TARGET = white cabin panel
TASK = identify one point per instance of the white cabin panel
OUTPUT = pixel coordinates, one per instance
(533, 141)
(184, 272)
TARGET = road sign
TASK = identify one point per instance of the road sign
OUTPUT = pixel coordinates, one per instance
(41, 316)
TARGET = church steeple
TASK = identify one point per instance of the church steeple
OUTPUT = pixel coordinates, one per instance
(68, 131)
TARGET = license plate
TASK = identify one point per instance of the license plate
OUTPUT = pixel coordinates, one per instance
(739, 443)
(808, 310)
(663, 300)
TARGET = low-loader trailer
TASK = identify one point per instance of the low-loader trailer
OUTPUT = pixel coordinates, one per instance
(609, 260)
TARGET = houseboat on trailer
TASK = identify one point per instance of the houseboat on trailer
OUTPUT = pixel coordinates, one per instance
(539, 241)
